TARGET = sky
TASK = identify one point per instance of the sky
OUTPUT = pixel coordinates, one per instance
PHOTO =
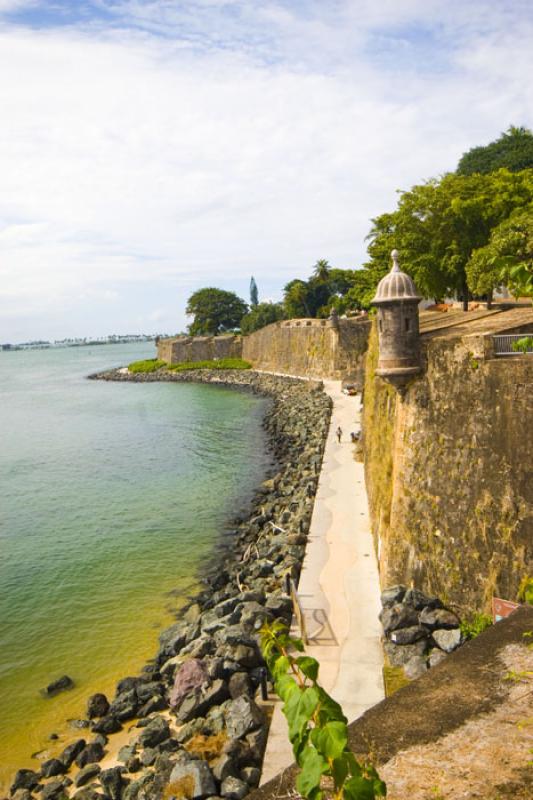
(149, 148)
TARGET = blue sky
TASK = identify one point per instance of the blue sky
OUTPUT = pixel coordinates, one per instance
(151, 148)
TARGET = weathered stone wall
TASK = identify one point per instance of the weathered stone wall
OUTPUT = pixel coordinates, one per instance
(199, 348)
(449, 471)
(310, 347)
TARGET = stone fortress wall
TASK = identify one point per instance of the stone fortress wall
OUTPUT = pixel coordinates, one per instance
(315, 348)
(449, 466)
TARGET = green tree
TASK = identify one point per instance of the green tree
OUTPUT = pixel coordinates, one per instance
(513, 151)
(507, 258)
(295, 299)
(260, 315)
(438, 225)
(215, 311)
(254, 295)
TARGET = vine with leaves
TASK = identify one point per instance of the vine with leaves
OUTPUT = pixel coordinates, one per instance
(318, 729)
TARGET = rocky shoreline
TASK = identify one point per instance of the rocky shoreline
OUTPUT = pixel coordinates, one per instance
(195, 728)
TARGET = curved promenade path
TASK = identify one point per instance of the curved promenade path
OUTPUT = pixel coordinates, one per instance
(339, 585)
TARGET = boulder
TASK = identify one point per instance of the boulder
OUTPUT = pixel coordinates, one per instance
(87, 774)
(243, 715)
(97, 705)
(113, 782)
(54, 791)
(409, 635)
(419, 600)
(155, 732)
(199, 774)
(399, 655)
(240, 684)
(398, 616)
(447, 640)
(60, 685)
(434, 618)
(392, 595)
(106, 725)
(435, 657)
(125, 705)
(25, 779)
(224, 767)
(52, 767)
(88, 793)
(252, 776)
(71, 752)
(155, 703)
(197, 705)
(91, 753)
(191, 676)
(415, 667)
(234, 788)
(21, 794)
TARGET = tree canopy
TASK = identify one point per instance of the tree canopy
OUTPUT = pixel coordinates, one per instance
(260, 315)
(215, 311)
(513, 150)
(439, 225)
(254, 295)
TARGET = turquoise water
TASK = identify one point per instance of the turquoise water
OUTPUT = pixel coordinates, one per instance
(111, 498)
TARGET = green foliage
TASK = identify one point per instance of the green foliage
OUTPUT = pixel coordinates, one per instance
(261, 315)
(524, 345)
(525, 590)
(254, 295)
(475, 625)
(215, 311)
(149, 365)
(221, 363)
(439, 225)
(507, 258)
(327, 288)
(317, 727)
(513, 151)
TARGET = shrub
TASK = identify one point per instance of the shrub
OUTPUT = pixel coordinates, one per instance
(222, 363)
(475, 625)
(524, 345)
(149, 365)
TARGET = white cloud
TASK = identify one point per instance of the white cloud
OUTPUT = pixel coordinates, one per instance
(250, 138)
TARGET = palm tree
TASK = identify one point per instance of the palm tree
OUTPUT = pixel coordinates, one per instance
(321, 269)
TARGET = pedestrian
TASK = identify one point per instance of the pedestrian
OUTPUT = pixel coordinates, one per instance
(339, 433)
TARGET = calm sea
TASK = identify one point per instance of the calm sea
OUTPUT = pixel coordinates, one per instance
(112, 496)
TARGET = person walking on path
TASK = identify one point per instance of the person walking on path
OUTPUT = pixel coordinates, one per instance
(339, 433)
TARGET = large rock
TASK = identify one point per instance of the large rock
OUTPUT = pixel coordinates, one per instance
(398, 616)
(106, 725)
(55, 790)
(113, 782)
(234, 788)
(125, 705)
(25, 779)
(243, 715)
(196, 773)
(447, 640)
(87, 774)
(415, 667)
(197, 705)
(97, 705)
(155, 732)
(60, 685)
(190, 677)
(419, 600)
(224, 767)
(90, 754)
(409, 635)
(71, 752)
(399, 655)
(392, 595)
(434, 618)
(240, 684)
(435, 657)
(52, 767)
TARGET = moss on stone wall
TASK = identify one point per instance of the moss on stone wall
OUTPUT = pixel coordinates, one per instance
(454, 510)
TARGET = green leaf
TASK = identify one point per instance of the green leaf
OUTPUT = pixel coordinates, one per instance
(330, 739)
(339, 770)
(329, 709)
(280, 667)
(309, 667)
(359, 788)
(313, 767)
(299, 708)
(285, 687)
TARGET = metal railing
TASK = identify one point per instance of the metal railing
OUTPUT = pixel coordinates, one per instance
(503, 344)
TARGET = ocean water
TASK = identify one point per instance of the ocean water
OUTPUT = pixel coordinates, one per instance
(112, 496)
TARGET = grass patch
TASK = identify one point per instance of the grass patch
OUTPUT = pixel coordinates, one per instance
(149, 365)
(470, 628)
(222, 363)
(394, 679)
(207, 747)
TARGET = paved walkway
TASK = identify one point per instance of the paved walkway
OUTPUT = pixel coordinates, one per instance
(339, 587)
